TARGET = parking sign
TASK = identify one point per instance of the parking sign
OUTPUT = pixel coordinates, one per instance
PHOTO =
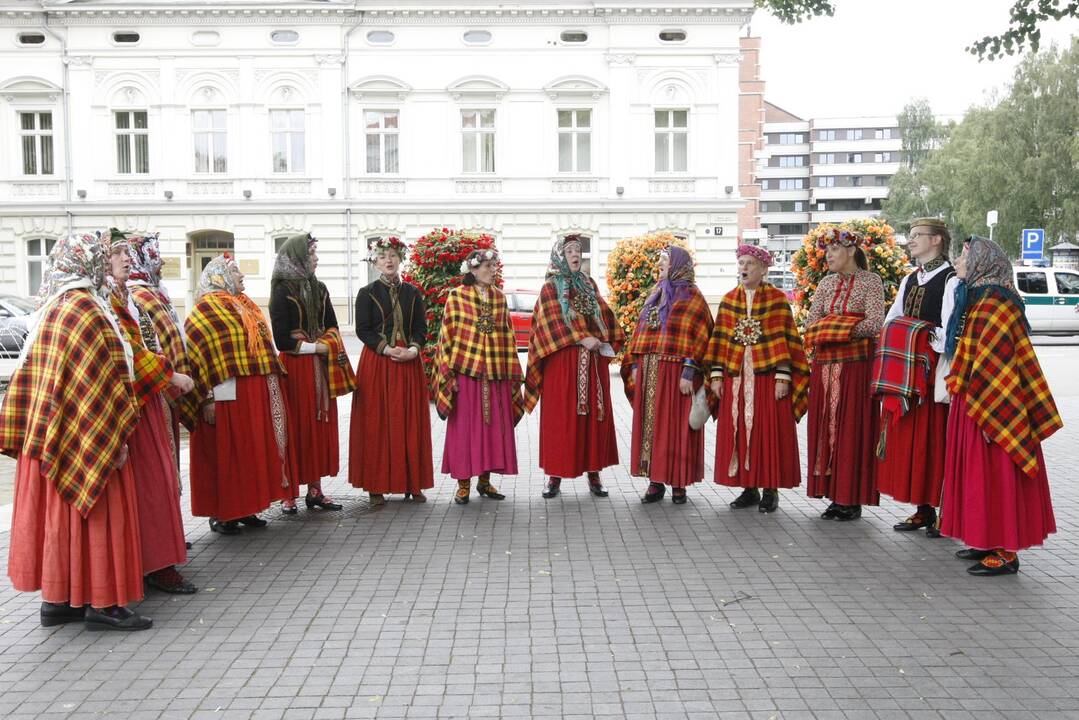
(1033, 243)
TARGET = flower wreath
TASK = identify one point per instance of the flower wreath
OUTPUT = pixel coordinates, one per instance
(473, 262)
(381, 244)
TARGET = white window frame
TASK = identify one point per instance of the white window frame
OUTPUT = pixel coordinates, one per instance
(382, 133)
(38, 136)
(796, 161)
(289, 133)
(575, 133)
(477, 134)
(826, 181)
(854, 134)
(128, 135)
(38, 259)
(669, 133)
(212, 132)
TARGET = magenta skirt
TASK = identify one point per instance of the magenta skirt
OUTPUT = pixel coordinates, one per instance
(989, 503)
(473, 446)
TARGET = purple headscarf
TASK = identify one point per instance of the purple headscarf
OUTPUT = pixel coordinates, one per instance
(678, 285)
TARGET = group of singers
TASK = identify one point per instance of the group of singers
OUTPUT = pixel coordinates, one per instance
(938, 401)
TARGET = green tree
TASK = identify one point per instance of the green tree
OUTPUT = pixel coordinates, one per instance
(907, 192)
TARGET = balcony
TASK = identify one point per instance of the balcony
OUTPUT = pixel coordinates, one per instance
(477, 187)
(384, 186)
(33, 190)
(574, 186)
(672, 186)
(849, 192)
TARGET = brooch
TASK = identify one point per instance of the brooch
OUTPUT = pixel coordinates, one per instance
(653, 319)
(747, 331)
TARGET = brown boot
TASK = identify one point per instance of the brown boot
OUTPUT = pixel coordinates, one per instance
(486, 489)
(464, 487)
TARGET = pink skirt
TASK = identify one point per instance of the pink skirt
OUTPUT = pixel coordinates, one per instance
(989, 503)
(473, 446)
(96, 560)
(160, 522)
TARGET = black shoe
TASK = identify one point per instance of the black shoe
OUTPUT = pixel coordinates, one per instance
(489, 491)
(116, 618)
(831, 513)
(232, 527)
(849, 512)
(749, 496)
(595, 486)
(655, 493)
(169, 580)
(926, 517)
(252, 521)
(60, 614)
(320, 501)
(678, 496)
(995, 568)
(972, 554)
(932, 531)
(286, 510)
(552, 488)
(769, 501)
(188, 544)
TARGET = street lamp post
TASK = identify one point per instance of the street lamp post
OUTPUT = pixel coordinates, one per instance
(991, 221)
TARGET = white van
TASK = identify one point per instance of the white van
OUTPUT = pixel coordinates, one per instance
(1051, 296)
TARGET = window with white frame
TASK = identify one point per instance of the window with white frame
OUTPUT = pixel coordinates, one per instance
(287, 140)
(575, 141)
(37, 252)
(382, 128)
(132, 142)
(478, 141)
(826, 181)
(672, 140)
(855, 134)
(35, 134)
(826, 158)
(792, 160)
(826, 134)
(211, 136)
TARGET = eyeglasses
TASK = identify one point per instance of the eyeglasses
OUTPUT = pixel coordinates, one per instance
(915, 236)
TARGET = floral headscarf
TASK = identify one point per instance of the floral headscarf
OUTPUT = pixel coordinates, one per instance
(218, 278)
(292, 269)
(568, 282)
(678, 285)
(988, 267)
(146, 263)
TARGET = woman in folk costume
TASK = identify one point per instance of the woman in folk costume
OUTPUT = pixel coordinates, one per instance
(312, 352)
(479, 380)
(390, 434)
(844, 320)
(152, 301)
(996, 491)
(760, 374)
(914, 406)
(66, 417)
(574, 336)
(238, 447)
(666, 355)
(157, 477)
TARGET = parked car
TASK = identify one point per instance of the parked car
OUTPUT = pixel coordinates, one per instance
(14, 313)
(1051, 296)
(521, 303)
(784, 280)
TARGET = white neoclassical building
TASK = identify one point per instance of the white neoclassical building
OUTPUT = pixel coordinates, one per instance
(231, 124)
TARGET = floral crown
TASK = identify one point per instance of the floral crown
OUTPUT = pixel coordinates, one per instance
(756, 252)
(382, 244)
(835, 236)
(475, 258)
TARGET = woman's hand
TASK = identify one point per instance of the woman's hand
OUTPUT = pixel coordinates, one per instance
(685, 386)
(322, 348)
(783, 389)
(121, 459)
(591, 344)
(717, 388)
(209, 413)
(182, 382)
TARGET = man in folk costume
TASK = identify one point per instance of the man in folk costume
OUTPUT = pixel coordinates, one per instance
(157, 477)
(760, 374)
(996, 490)
(479, 380)
(574, 336)
(305, 332)
(390, 433)
(666, 357)
(66, 418)
(238, 447)
(914, 411)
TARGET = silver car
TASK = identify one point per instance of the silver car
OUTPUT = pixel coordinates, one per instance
(14, 313)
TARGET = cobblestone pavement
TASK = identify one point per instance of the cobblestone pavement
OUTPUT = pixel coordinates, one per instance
(577, 607)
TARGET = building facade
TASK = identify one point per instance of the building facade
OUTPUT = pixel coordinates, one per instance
(231, 125)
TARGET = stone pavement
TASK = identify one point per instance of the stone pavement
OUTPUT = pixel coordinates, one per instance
(579, 608)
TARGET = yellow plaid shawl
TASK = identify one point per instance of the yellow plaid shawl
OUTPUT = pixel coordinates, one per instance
(71, 404)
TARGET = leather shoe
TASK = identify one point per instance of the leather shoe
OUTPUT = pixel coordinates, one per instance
(232, 527)
(932, 531)
(926, 517)
(320, 501)
(831, 512)
(252, 521)
(595, 486)
(849, 512)
(749, 496)
(655, 493)
(60, 613)
(552, 488)
(972, 554)
(169, 580)
(116, 618)
(996, 568)
(769, 501)
(678, 496)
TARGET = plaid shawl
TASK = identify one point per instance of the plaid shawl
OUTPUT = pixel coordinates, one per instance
(342, 377)
(689, 325)
(218, 347)
(830, 339)
(901, 371)
(154, 305)
(151, 372)
(464, 349)
(551, 332)
(71, 404)
(779, 343)
(1007, 395)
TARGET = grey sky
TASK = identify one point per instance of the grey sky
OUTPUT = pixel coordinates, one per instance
(874, 55)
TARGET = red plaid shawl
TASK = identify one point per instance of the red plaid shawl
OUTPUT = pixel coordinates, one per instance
(71, 405)
(902, 365)
(463, 349)
(1007, 395)
(830, 339)
(689, 326)
(342, 377)
(551, 333)
(158, 309)
(779, 343)
(151, 371)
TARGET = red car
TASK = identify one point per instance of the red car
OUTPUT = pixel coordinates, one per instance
(521, 304)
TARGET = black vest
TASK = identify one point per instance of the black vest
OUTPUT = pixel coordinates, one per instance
(924, 301)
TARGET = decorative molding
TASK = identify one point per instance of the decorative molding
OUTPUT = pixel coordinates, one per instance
(668, 186)
(287, 187)
(30, 88)
(477, 87)
(378, 87)
(210, 187)
(330, 60)
(380, 187)
(574, 186)
(477, 187)
(29, 189)
(125, 189)
(27, 226)
(290, 224)
(80, 61)
(620, 58)
(575, 86)
(731, 59)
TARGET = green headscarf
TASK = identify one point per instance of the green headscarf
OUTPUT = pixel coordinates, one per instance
(293, 270)
(565, 281)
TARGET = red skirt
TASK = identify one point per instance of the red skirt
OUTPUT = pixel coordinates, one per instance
(772, 453)
(671, 453)
(843, 435)
(314, 448)
(236, 467)
(989, 503)
(912, 470)
(571, 444)
(96, 560)
(161, 525)
(390, 431)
